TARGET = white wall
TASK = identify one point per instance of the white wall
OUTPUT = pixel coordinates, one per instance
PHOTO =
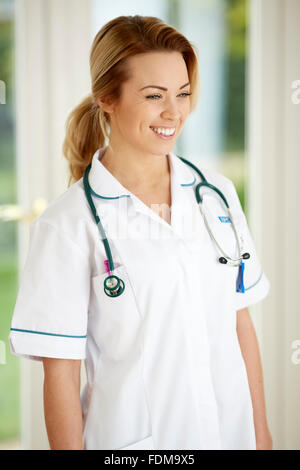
(274, 166)
(52, 75)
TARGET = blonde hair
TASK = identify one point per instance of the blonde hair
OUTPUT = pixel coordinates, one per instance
(120, 38)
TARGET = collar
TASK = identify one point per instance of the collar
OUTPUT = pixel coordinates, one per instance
(105, 186)
(107, 189)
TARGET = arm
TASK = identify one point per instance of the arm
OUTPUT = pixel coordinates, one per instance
(250, 351)
(62, 407)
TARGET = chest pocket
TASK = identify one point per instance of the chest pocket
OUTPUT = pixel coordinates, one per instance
(116, 320)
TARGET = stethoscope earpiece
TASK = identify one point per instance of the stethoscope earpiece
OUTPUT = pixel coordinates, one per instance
(223, 260)
(113, 286)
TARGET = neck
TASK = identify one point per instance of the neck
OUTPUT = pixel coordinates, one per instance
(140, 171)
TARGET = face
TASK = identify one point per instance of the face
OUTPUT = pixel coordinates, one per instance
(143, 107)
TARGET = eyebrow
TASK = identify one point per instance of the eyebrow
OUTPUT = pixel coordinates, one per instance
(161, 87)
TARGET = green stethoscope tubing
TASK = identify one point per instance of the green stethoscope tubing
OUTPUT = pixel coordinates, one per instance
(113, 285)
(204, 183)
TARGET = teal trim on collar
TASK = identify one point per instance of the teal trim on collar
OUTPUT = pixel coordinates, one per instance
(128, 195)
(43, 333)
(107, 197)
(189, 184)
(102, 180)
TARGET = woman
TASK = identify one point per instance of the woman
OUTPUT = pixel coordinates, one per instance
(171, 354)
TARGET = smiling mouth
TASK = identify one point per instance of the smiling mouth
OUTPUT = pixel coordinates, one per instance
(164, 131)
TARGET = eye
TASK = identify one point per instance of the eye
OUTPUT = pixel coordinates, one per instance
(183, 95)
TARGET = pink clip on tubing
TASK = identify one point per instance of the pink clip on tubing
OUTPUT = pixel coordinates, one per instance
(107, 267)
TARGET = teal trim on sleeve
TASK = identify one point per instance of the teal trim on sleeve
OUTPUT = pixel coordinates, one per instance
(256, 282)
(44, 333)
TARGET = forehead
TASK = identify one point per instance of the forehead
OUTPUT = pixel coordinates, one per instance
(158, 67)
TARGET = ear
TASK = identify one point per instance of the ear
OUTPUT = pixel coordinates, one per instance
(106, 104)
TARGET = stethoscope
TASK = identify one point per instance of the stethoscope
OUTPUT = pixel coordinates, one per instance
(114, 286)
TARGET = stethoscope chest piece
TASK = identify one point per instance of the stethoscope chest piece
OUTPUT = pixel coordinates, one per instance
(113, 286)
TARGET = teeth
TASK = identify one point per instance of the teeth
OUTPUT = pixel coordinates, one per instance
(162, 131)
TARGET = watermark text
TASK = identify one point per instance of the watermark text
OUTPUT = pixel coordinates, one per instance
(2, 353)
(295, 358)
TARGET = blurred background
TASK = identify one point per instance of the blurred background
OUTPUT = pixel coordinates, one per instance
(246, 126)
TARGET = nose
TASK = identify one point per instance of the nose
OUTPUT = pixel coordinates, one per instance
(171, 110)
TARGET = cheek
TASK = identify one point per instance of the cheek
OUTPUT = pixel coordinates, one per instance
(186, 111)
(139, 118)
(187, 105)
(129, 125)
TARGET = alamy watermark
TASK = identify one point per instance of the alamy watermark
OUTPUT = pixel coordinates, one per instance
(2, 353)
(295, 97)
(121, 221)
(295, 358)
(2, 92)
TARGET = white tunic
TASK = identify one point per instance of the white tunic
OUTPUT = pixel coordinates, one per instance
(163, 361)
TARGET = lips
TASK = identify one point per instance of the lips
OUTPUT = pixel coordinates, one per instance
(164, 128)
(162, 136)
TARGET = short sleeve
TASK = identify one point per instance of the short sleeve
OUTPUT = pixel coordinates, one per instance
(51, 310)
(256, 283)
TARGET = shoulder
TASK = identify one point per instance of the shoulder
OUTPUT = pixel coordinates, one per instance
(220, 181)
(66, 208)
(190, 170)
(212, 176)
(69, 215)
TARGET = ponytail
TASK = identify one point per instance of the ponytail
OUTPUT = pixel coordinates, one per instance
(85, 132)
